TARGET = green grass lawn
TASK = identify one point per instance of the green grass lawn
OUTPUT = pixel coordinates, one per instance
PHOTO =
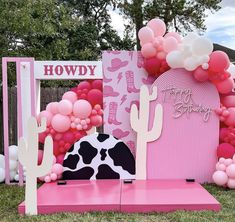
(11, 196)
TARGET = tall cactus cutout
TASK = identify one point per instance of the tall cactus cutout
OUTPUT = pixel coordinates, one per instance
(140, 123)
(28, 156)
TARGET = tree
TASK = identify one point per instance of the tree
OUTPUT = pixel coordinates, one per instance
(179, 14)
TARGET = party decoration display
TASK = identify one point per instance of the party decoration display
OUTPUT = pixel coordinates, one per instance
(99, 156)
(2, 168)
(225, 172)
(28, 157)
(139, 119)
(69, 119)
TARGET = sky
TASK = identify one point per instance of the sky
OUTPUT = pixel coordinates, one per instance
(220, 25)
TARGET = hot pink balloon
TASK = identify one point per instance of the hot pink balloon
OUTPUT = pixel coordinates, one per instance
(60, 159)
(60, 123)
(170, 44)
(175, 35)
(82, 109)
(96, 120)
(200, 74)
(158, 26)
(228, 101)
(223, 133)
(46, 115)
(68, 137)
(65, 107)
(71, 96)
(57, 168)
(148, 50)
(145, 35)
(219, 61)
(40, 156)
(230, 120)
(225, 86)
(220, 178)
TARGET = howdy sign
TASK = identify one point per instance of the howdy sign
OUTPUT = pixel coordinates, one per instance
(68, 70)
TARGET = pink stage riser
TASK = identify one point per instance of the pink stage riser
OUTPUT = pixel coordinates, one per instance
(114, 195)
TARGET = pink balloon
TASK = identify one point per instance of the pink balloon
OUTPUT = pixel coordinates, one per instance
(223, 133)
(60, 123)
(221, 167)
(158, 26)
(71, 96)
(231, 183)
(145, 35)
(225, 86)
(54, 107)
(225, 150)
(200, 74)
(40, 156)
(60, 159)
(170, 44)
(230, 120)
(161, 55)
(231, 171)
(82, 109)
(148, 50)
(96, 120)
(46, 115)
(228, 101)
(65, 107)
(57, 168)
(228, 162)
(219, 61)
(53, 176)
(220, 178)
(47, 179)
(68, 137)
(175, 35)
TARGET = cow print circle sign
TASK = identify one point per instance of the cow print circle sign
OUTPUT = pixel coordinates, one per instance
(99, 156)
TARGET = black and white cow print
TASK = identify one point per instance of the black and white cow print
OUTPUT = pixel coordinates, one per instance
(99, 156)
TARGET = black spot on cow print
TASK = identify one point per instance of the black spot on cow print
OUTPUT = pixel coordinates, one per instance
(105, 172)
(72, 161)
(103, 154)
(82, 174)
(71, 149)
(87, 151)
(102, 137)
(122, 156)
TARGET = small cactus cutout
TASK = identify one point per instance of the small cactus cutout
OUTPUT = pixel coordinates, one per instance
(140, 123)
(28, 156)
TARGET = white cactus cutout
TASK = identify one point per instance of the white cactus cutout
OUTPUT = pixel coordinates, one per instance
(28, 157)
(140, 123)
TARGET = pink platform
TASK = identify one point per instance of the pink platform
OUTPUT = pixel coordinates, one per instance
(114, 195)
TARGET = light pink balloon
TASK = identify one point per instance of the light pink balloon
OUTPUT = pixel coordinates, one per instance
(231, 183)
(53, 107)
(175, 35)
(221, 167)
(60, 123)
(57, 168)
(225, 86)
(148, 50)
(53, 176)
(145, 35)
(228, 101)
(47, 179)
(220, 178)
(71, 96)
(231, 171)
(228, 162)
(161, 55)
(170, 44)
(158, 26)
(82, 109)
(65, 107)
(230, 120)
(47, 115)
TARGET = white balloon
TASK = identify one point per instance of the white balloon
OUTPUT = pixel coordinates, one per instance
(2, 161)
(231, 70)
(13, 152)
(188, 39)
(13, 165)
(175, 59)
(2, 175)
(202, 46)
(190, 63)
(204, 59)
(16, 177)
(12, 174)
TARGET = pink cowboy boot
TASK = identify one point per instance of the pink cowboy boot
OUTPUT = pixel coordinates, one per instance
(140, 60)
(130, 82)
(113, 113)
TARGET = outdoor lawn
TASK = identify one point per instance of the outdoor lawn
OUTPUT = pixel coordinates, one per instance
(11, 196)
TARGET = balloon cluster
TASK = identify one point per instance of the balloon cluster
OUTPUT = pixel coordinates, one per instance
(193, 53)
(54, 174)
(69, 120)
(225, 172)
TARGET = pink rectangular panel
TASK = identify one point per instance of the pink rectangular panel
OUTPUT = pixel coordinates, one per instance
(165, 195)
(78, 196)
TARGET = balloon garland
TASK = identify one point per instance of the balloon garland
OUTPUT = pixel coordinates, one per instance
(69, 119)
(163, 51)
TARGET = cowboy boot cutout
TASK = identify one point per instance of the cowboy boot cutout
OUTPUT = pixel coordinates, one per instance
(130, 82)
(113, 114)
(140, 60)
